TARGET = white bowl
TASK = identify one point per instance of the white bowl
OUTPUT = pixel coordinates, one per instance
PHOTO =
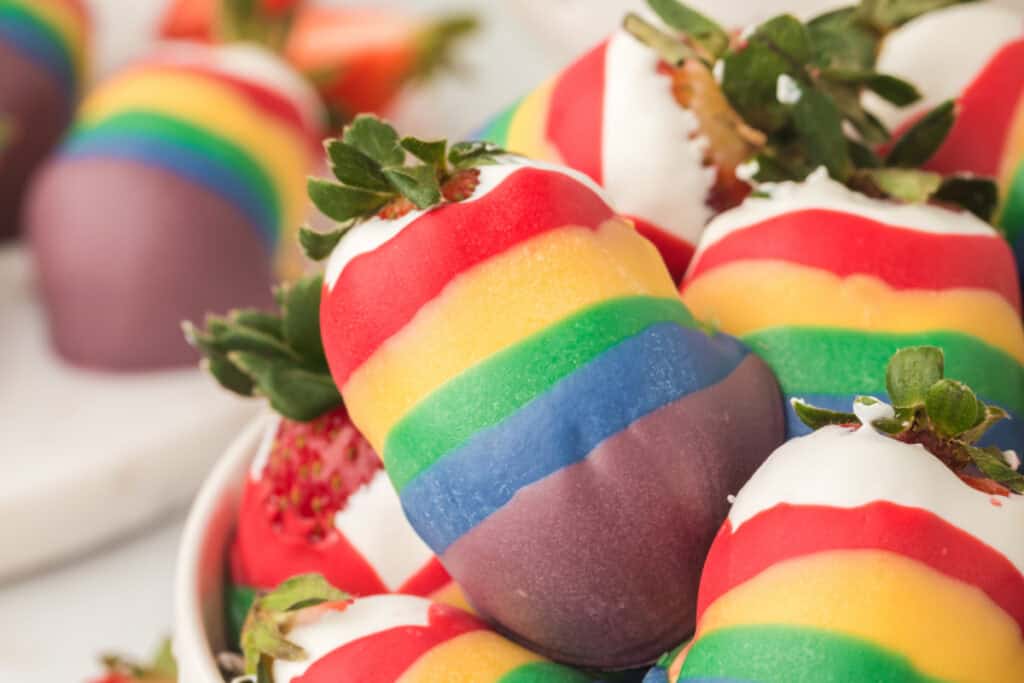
(200, 572)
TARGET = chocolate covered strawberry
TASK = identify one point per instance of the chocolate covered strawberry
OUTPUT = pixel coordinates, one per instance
(546, 407)
(981, 67)
(316, 498)
(359, 58)
(665, 113)
(307, 632)
(885, 546)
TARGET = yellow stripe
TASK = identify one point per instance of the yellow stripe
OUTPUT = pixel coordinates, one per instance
(200, 100)
(451, 594)
(748, 296)
(67, 23)
(527, 131)
(495, 305)
(474, 657)
(946, 628)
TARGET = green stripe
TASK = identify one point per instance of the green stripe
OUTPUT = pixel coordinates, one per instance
(486, 394)
(785, 654)
(544, 672)
(810, 360)
(16, 13)
(1013, 211)
(164, 127)
(497, 130)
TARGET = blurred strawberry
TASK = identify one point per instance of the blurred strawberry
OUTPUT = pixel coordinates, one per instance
(211, 20)
(359, 58)
(161, 670)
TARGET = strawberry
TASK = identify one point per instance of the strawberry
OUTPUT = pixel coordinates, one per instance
(203, 20)
(859, 554)
(317, 498)
(360, 58)
(162, 668)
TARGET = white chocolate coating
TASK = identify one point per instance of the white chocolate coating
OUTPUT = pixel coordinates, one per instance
(846, 468)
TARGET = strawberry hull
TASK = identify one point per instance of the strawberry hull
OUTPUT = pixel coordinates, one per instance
(539, 394)
(831, 567)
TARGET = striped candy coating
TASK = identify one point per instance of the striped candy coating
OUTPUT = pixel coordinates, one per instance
(984, 72)
(189, 165)
(588, 117)
(403, 639)
(851, 556)
(825, 285)
(53, 34)
(541, 350)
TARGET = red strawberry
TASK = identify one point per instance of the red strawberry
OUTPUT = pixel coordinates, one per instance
(317, 499)
(161, 670)
(198, 19)
(360, 58)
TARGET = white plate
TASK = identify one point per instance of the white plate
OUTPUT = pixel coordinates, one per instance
(89, 456)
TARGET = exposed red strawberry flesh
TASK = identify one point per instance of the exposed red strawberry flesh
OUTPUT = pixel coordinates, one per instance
(984, 485)
(312, 470)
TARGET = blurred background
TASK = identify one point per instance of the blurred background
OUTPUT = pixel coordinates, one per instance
(114, 593)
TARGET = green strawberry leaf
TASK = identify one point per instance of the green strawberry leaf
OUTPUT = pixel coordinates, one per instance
(991, 415)
(862, 156)
(294, 392)
(890, 88)
(904, 184)
(669, 48)
(710, 35)
(953, 408)
(429, 152)
(228, 375)
(886, 15)
(305, 590)
(749, 78)
(464, 155)
(980, 196)
(787, 36)
(816, 418)
(256, 319)
(301, 322)
(319, 245)
(343, 203)
(911, 372)
(376, 139)
(924, 138)
(842, 41)
(418, 184)
(353, 167)
(818, 123)
(992, 463)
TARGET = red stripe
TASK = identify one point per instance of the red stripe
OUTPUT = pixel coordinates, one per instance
(380, 291)
(263, 556)
(787, 531)
(270, 101)
(675, 251)
(847, 244)
(987, 109)
(576, 113)
(385, 656)
(432, 577)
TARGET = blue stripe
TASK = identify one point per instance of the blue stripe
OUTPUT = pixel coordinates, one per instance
(196, 167)
(1008, 434)
(656, 675)
(38, 47)
(654, 368)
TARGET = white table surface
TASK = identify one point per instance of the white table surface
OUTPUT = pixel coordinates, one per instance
(53, 625)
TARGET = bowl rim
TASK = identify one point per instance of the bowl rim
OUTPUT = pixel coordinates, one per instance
(192, 641)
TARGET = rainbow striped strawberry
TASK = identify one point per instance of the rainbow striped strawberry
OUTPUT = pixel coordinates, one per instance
(542, 400)
(868, 551)
(305, 630)
(981, 66)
